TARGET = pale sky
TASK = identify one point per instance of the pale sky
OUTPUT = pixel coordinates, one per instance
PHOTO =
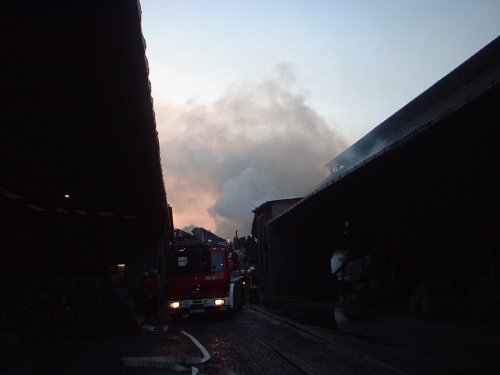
(350, 63)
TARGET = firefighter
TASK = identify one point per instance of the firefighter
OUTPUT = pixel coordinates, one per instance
(253, 289)
(150, 295)
(235, 259)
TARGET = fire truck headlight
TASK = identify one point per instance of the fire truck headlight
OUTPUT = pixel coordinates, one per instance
(174, 305)
(219, 302)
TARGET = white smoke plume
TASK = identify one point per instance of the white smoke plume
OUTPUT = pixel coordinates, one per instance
(258, 142)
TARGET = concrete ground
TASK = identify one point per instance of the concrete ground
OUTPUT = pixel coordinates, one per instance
(396, 336)
(285, 335)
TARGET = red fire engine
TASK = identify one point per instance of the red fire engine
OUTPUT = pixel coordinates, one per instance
(199, 279)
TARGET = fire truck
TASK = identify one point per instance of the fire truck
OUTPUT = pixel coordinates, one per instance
(199, 279)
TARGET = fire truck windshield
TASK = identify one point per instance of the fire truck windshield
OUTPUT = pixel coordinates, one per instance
(196, 260)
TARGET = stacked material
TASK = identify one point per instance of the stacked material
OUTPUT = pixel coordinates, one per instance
(483, 301)
(437, 298)
(374, 292)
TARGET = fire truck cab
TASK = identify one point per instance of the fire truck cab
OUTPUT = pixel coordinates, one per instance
(199, 279)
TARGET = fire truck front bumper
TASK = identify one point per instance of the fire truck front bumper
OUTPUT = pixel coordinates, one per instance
(198, 306)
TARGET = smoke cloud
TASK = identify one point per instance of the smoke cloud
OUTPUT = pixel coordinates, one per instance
(258, 142)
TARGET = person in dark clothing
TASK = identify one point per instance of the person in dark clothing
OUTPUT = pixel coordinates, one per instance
(150, 296)
(235, 259)
(253, 288)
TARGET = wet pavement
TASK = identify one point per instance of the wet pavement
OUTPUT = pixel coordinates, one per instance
(282, 335)
(394, 335)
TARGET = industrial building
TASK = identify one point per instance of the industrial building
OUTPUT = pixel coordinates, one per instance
(415, 199)
(263, 214)
(81, 179)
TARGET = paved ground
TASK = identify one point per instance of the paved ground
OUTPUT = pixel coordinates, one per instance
(397, 337)
(249, 343)
(282, 335)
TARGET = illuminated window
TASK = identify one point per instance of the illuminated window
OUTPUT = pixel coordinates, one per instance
(182, 261)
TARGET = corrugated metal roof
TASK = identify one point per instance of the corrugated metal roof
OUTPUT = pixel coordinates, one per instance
(468, 81)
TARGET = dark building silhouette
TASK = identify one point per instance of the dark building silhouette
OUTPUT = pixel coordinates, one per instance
(418, 194)
(81, 179)
(270, 263)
